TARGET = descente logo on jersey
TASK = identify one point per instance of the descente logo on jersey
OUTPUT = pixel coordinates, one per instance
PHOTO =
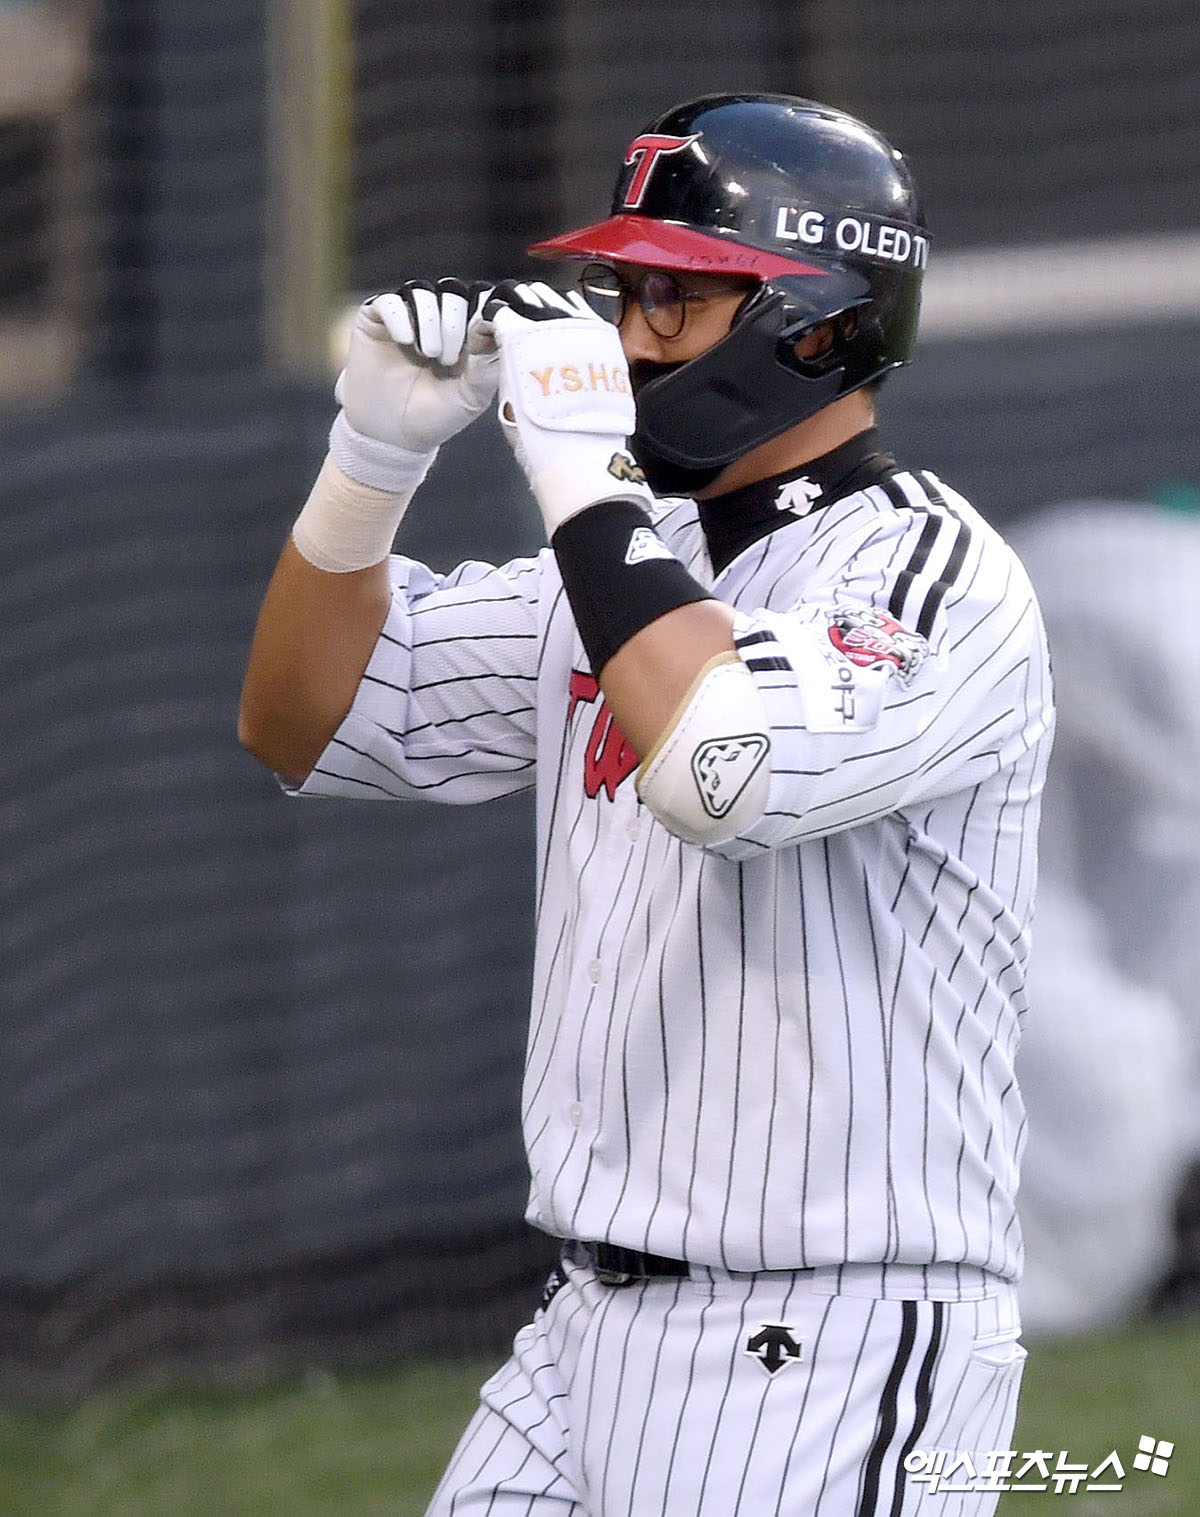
(775, 1346)
(571, 379)
(799, 495)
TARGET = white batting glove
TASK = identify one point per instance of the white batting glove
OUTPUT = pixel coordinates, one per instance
(422, 365)
(419, 370)
(566, 404)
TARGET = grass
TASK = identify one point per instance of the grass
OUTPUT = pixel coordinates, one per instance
(1091, 1395)
(359, 1446)
(371, 1444)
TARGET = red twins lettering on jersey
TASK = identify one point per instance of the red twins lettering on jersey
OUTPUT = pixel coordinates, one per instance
(608, 760)
(645, 151)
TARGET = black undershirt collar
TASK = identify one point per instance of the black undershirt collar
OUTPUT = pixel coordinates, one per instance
(733, 521)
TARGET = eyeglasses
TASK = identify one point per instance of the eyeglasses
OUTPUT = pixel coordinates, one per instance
(661, 297)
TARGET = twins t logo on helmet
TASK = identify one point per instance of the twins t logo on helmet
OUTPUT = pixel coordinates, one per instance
(649, 148)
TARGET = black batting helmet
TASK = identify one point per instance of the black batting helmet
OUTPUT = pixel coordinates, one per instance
(813, 204)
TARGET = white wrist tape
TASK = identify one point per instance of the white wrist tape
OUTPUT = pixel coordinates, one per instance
(346, 525)
(382, 465)
(707, 777)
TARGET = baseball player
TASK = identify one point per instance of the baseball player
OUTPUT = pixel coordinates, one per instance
(786, 707)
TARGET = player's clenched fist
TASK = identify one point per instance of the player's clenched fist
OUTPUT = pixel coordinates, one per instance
(421, 365)
(419, 368)
(566, 404)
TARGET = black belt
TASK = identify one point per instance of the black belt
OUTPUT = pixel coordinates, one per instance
(614, 1265)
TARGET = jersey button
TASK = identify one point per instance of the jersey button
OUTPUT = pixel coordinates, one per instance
(632, 831)
(594, 971)
(575, 1112)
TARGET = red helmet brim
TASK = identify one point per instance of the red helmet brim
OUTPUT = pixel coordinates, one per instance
(670, 245)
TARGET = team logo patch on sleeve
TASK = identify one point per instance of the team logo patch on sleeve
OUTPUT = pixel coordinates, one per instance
(872, 640)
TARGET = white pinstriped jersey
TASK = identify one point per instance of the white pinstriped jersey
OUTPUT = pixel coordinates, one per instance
(795, 1049)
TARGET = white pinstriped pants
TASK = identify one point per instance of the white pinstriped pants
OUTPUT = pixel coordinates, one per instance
(643, 1400)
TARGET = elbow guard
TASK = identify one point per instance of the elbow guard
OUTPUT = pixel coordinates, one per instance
(707, 777)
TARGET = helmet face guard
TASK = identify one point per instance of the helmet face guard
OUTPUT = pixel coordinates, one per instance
(741, 392)
(813, 204)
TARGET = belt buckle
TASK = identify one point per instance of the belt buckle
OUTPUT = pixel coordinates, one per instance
(605, 1274)
(613, 1277)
